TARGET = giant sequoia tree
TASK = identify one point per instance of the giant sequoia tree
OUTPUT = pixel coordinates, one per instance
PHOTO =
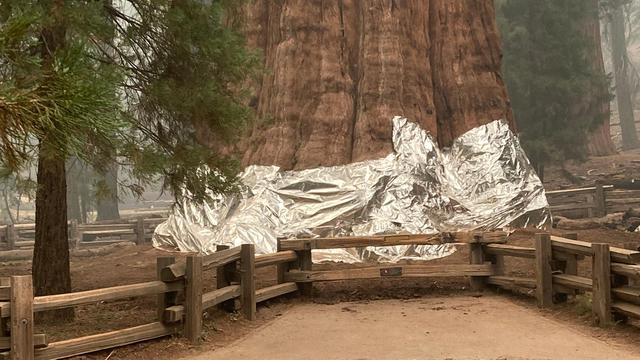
(338, 71)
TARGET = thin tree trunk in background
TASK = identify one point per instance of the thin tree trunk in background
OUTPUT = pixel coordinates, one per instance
(73, 194)
(600, 142)
(85, 201)
(107, 204)
(6, 205)
(51, 270)
(623, 92)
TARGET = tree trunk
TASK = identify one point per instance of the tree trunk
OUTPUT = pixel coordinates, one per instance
(339, 71)
(51, 271)
(598, 105)
(623, 91)
(74, 176)
(107, 203)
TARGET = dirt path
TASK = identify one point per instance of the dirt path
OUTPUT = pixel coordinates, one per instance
(464, 327)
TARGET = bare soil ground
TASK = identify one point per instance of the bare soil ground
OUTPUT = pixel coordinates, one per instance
(137, 264)
(455, 327)
(622, 166)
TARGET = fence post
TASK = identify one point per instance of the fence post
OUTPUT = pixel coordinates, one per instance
(12, 236)
(600, 201)
(248, 281)
(601, 276)
(21, 318)
(282, 267)
(544, 276)
(167, 299)
(223, 279)
(305, 263)
(476, 256)
(193, 299)
(139, 231)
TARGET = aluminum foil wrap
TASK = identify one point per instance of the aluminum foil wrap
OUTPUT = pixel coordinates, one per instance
(484, 181)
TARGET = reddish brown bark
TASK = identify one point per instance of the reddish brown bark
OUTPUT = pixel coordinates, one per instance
(338, 71)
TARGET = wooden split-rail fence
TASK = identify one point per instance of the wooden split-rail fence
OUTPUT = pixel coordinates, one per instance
(593, 201)
(181, 299)
(138, 230)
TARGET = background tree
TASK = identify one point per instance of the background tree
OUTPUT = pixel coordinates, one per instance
(65, 68)
(107, 194)
(548, 68)
(622, 67)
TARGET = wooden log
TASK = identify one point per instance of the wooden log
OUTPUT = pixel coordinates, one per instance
(393, 240)
(223, 257)
(584, 248)
(39, 340)
(193, 299)
(305, 264)
(544, 280)
(601, 276)
(59, 301)
(275, 258)
(384, 271)
(248, 281)
(224, 278)
(275, 291)
(22, 347)
(169, 298)
(573, 281)
(24, 244)
(93, 343)
(16, 255)
(29, 226)
(476, 257)
(129, 227)
(626, 309)
(176, 312)
(139, 230)
(631, 271)
(173, 272)
(627, 293)
(11, 236)
(173, 314)
(510, 250)
(219, 296)
(511, 282)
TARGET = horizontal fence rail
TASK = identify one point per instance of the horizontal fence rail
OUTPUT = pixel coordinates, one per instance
(138, 230)
(594, 201)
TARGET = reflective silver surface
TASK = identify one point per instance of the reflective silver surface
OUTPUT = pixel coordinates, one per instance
(484, 181)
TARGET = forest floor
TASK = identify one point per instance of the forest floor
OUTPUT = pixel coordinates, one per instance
(622, 166)
(137, 264)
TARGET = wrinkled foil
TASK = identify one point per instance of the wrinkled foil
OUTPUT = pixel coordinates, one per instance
(483, 181)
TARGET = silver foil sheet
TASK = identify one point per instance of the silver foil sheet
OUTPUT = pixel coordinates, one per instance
(483, 181)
